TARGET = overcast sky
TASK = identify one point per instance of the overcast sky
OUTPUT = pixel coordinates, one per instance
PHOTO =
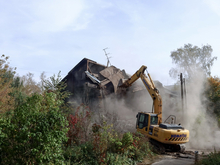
(54, 35)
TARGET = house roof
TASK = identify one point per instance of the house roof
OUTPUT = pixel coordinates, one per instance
(85, 60)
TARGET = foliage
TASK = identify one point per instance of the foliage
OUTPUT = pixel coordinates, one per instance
(18, 92)
(119, 159)
(136, 146)
(81, 154)
(78, 125)
(190, 59)
(106, 146)
(6, 77)
(107, 143)
(101, 137)
(141, 146)
(34, 132)
(213, 159)
(55, 85)
(30, 85)
(213, 94)
(35, 129)
(214, 89)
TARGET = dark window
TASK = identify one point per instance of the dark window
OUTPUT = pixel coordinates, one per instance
(154, 120)
(146, 122)
(141, 121)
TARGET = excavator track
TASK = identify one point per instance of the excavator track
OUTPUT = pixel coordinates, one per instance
(162, 148)
(157, 146)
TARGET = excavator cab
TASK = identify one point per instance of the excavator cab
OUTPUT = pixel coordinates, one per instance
(165, 136)
(144, 120)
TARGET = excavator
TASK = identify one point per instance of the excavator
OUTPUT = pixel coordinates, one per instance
(166, 136)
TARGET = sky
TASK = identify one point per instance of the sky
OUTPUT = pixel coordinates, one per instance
(53, 35)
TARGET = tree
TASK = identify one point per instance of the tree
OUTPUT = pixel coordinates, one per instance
(6, 77)
(18, 91)
(213, 95)
(30, 85)
(191, 59)
(55, 85)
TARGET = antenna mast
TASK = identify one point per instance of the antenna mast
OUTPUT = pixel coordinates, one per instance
(108, 61)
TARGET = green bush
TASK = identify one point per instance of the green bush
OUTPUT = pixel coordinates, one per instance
(34, 132)
(212, 158)
(140, 147)
(110, 145)
(81, 154)
(105, 146)
(119, 159)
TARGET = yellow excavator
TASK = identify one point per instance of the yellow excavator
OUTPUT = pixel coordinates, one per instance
(164, 136)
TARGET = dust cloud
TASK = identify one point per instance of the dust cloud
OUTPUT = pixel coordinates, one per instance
(204, 132)
(202, 125)
(121, 116)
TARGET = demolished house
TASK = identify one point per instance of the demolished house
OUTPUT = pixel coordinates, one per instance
(90, 83)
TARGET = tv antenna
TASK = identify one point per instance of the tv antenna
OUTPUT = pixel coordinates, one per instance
(108, 61)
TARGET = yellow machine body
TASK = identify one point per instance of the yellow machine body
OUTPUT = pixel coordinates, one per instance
(164, 133)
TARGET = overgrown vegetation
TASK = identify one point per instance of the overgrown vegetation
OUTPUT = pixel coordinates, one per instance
(34, 132)
(105, 146)
(38, 127)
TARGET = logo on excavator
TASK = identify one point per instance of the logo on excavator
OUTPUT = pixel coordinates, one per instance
(182, 135)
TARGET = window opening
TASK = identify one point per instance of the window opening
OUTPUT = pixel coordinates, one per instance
(154, 120)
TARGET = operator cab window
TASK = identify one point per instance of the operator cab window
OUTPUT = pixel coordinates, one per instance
(141, 121)
(146, 122)
(153, 120)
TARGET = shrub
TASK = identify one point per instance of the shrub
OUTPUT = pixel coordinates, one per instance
(119, 159)
(108, 145)
(34, 132)
(81, 154)
(78, 125)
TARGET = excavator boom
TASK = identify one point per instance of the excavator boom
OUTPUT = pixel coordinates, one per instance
(152, 90)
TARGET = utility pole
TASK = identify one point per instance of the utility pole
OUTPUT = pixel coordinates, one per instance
(183, 94)
(181, 83)
(184, 82)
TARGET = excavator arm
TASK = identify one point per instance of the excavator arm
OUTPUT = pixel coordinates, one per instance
(149, 84)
